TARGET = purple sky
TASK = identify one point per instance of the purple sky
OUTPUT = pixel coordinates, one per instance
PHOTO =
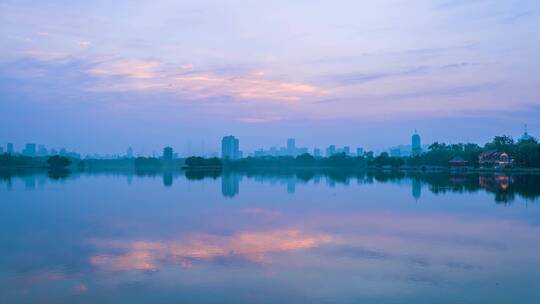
(100, 76)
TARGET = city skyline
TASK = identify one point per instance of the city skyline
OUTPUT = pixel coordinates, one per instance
(345, 73)
(230, 148)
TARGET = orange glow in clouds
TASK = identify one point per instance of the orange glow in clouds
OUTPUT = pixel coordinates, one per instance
(253, 246)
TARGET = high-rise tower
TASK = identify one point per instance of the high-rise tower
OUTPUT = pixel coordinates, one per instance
(416, 144)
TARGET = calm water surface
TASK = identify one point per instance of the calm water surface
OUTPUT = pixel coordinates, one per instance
(179, 237)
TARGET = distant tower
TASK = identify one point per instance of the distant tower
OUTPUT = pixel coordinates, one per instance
(291, 146)
(416, 144)
(30, 150)
(9, 148)
(129, 153)
(331, 150)
(525, 135)
(42, 151)
(167, 153)
(230, 147)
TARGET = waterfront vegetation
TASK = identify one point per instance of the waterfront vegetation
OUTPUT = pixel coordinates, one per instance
(525, 154)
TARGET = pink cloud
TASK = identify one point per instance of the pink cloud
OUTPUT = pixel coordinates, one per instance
(136, 75)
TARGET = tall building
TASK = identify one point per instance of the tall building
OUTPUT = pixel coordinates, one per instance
(230, 147)
(129, 153)
(317, 152)
(1, 150)
(167, 153)
(416, 144)
(42, 151)
(29, 150)
(347, 150)
(359, 152)
(331, 150)
(291, 146)
(9, 148)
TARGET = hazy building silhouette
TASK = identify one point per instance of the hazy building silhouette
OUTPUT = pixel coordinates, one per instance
(9, 148)
(359, 152)
(291, 146)
(416, 144)
(317, 152)
(331, 150)
(1, 150)
(230, 147)
(525, 135)
(395, 152)
(42, 151)
(347, 150)
(167, 153)
(29, 150)
(129, 153)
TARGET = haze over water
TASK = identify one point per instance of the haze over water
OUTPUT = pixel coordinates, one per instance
(178, 237)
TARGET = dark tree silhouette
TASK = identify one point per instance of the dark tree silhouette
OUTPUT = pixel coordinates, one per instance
(58, 162)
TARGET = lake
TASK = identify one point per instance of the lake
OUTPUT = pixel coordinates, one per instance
(269, 237)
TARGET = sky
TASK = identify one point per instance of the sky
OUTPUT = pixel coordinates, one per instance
(100, 76)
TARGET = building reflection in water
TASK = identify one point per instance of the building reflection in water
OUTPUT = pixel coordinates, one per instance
(416, 189)
(505, 187)
(30, 182)
(291, 185)
(495, 182)
(230, 184)
(167, 178)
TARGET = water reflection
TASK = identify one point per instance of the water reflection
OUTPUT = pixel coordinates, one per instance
(253, 246)
(505, 187)
(342, 237)
(230, 184)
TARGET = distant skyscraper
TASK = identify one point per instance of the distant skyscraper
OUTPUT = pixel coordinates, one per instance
(347, 150)
(1, 150)
(331, 150)
(317, 152)
(129, 153)
(167, 153)
(29, 150)
(230, 147)
(416, 144)
(9, 148)
(291, 146)
(42, 151)
(359, 152)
